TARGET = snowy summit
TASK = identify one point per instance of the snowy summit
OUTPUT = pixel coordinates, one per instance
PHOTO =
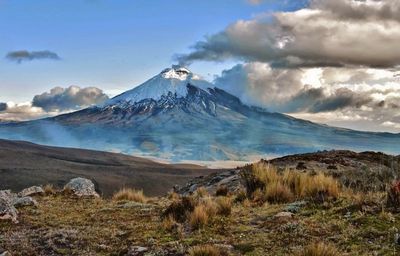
(170, 81)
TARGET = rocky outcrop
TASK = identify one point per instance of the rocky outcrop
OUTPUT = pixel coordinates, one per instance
(10, 201)
(231, 180)
(81, 187)
(32, 191)
(7, 209)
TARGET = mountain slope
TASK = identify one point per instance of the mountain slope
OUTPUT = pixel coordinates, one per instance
(185, 120)
(24, 164)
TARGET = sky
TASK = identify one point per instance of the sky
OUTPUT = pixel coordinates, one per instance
(328, 61)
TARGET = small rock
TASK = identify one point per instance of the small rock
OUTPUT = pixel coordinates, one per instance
(295, 207)
(397, 239)
(81, 187)
(284, 215)
(32, 191)
(24, 201)
(6, 253)
(137, 251)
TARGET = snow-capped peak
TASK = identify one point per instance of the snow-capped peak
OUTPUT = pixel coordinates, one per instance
(176, 72)
(171, 80)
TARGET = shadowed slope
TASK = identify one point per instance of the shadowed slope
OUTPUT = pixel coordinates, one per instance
(24, 164)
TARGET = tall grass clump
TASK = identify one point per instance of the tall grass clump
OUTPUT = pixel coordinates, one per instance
(265, 183)
(49, 189)
(224, 205)
(129, 194)
(319, 249)
(393, 195)
(199, 217)
(196, 210)
(204, 250)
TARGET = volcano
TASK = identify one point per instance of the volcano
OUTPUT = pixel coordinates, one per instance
(178, 116)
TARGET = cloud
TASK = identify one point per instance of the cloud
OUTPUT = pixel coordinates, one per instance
(3, 106)
(73, 97)
(57, 101)
(355, 98)
(21, 112)
(23, 55)
(327, 33)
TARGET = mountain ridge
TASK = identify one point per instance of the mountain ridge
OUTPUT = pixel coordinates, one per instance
(190, 122)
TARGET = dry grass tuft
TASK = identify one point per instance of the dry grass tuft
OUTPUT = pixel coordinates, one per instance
(224, 206)
(265, 183)
(201, 192)
(319, 249)
(393, 195)
(49, 189)
(129, 194)
(210, 206)
(276, 192)
(222, 191)
(199, 217)
(319, 187)
(169, 223)
(204, 250)
(180, 209)
(173, 196)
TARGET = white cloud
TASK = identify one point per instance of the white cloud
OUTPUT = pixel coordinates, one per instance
(326, 33)
(57, 101)
(362, 98)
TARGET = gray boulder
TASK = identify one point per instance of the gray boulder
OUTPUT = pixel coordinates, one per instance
(24, 201)
(7, 210)
(32, 191)
(81, 187)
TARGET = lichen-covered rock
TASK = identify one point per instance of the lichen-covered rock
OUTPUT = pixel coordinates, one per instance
(24, 201)
(137, 251)
(7, 210)
(8, 195)
(81, 187)
(295, 207)
(32, 191)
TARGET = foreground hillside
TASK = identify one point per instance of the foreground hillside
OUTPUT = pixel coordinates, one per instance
(24, 164)
(271, 211)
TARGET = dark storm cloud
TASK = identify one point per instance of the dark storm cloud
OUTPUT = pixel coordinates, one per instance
(340, 99)
(327, 33)
(3, 106)
(73, 97)
(23, 55)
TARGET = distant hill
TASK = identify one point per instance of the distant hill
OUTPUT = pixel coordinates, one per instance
(23, 164)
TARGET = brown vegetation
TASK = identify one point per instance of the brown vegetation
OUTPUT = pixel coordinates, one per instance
(319, 249)
(265, 183)
(204, 250)
(393, 195)
(49, 189)
(128, 194)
